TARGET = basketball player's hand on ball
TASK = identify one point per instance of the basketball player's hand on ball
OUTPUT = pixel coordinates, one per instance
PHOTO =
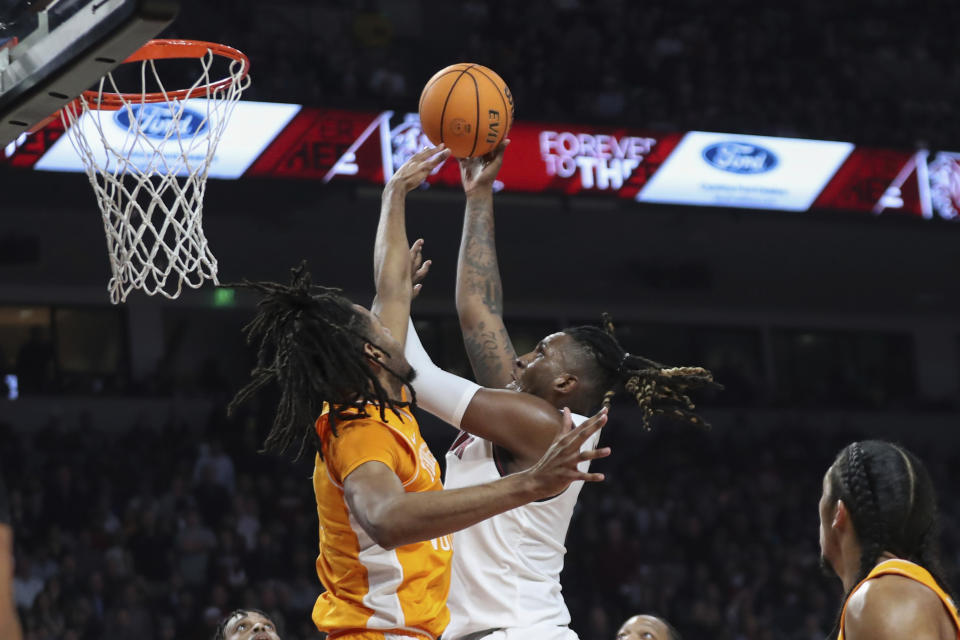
(418, 268)
(414, 171)
(478, 174)
(558, 467)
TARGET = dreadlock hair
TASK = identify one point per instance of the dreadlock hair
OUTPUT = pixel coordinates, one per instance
(892, 505)
(221, 631)
(311, 342)
(659, 390)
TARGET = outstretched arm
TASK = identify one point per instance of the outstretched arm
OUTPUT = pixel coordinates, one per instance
(391, 252)
(393, 517)
(479, 290)
(521, 423)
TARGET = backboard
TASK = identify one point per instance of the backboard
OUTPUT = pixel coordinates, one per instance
(52, 50)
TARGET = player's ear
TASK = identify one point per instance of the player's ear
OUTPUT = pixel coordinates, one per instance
(565, 383)
(841, 516)
(373, 354)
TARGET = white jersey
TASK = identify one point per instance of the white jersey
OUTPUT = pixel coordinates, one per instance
(506, 570)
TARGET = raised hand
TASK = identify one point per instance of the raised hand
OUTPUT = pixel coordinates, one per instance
(557, 468)
(478, 174)
(418, 268)
(415, 170)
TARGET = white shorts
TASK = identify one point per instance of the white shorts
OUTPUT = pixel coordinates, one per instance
(537, 632)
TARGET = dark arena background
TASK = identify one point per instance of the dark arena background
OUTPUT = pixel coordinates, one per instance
(825, 296)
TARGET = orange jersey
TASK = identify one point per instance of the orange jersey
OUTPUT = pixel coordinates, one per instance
(913, 571)
(369, 588)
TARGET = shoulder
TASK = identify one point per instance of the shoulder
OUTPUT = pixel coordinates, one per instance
(533, 409)
(893, 606)
(368, 439)
(523, 424)
(371, 426)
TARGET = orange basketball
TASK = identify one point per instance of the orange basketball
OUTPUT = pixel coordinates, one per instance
(468, 107)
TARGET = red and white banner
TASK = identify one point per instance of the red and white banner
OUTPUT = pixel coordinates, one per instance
(694, 168)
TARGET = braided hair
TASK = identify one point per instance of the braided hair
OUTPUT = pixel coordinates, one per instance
(892, 505)
(311, 342)
(658, 390)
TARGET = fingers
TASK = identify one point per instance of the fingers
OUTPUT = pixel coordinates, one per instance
(437, 159)
(421, 273)
(420, 164)
(426, 152)
(416, 254)
(595, 454)
(590, 426)
(591, 477)
(496, 154)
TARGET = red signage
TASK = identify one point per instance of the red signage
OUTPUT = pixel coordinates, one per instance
(340, 146)
(336, 145)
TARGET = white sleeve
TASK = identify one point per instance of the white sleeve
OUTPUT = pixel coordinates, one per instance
(439, 392)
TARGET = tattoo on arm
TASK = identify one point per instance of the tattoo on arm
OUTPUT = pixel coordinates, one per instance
(490, 354)
(482, 274)
(480, 298)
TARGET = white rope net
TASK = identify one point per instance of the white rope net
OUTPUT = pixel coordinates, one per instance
(148, 165)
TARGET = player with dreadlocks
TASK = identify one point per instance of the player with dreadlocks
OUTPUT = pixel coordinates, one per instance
(385, 523)
(506, 576)
(879, 535)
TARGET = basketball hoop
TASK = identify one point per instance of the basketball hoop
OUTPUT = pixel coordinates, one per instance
(149, 180)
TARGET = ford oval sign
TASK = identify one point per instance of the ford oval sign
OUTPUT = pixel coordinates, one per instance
(157, 120)
(740, 157)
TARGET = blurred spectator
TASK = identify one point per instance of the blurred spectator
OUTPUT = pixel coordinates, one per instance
(195, 541)
(215, 460)
(709, 529)
(886, 76)
(35, 363)
(27, 585)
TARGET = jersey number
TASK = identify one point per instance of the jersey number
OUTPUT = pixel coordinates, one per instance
(445, 543)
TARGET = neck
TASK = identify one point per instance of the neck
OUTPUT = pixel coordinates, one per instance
(849, 571)
(392, 386)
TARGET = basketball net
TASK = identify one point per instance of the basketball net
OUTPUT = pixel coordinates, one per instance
(150, 181)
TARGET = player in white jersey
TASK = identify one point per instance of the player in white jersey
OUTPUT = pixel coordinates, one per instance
(506, 575)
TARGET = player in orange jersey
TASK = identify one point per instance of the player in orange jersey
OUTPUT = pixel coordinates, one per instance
(879, 534)
(246, 624)
(385, 523)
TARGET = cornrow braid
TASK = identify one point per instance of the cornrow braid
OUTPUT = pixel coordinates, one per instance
(892, 506)
(866, 521)
(310, 341)
(658, 390)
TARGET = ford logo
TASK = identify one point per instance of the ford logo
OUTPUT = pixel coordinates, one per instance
(740, 157)
(157, 120)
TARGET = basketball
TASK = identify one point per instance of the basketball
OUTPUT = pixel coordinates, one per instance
(467, 107)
